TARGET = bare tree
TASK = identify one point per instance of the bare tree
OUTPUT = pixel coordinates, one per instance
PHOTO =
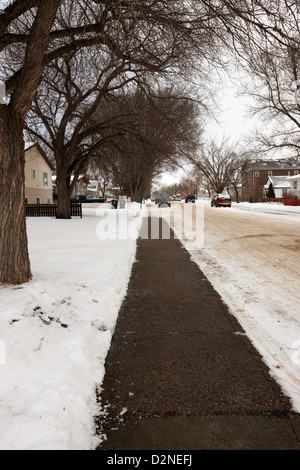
(221, 163)
(274, 85)
(161, 128)
(161, 36)
(192, 183)
(188, 185)
(99, 170)
(248, 21)
(268, 45)
(76, 88)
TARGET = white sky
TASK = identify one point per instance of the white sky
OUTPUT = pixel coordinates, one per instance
(233, 123)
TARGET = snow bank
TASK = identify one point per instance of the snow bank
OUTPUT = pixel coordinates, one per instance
(267, 208)
(55, 331)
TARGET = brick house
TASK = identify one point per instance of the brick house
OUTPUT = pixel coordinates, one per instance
(256, 174)
(38, 175)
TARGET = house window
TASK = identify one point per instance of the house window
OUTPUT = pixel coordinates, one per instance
(270, 173)
(26, 200)
(33, 174)
(45, 179)
(49, 200)
(257, 173)
(295, 184)
(38, 200)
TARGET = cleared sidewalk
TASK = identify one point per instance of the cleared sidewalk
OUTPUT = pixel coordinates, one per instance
(181, 373)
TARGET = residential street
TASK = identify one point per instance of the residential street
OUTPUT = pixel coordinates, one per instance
(251, 256)
(268, 247)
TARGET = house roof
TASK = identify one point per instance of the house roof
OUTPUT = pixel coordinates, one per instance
(29, 145)
(295, 177)
(278, 182)
(275, 164)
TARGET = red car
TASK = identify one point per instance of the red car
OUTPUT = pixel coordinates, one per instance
(221, 200)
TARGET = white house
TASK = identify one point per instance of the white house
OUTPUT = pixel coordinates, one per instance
(281, 185)
(294, 182)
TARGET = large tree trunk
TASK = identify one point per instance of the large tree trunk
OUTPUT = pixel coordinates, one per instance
(237, 194)
(64, 191)
(14, 257)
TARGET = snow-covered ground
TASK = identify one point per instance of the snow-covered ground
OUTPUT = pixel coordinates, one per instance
(268, 208)
(56, 330)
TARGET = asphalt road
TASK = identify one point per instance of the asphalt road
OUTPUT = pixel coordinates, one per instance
(181, 372)
(260, 242)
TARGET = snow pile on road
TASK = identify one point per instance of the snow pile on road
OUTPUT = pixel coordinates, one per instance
(56, 330)
(268, 208)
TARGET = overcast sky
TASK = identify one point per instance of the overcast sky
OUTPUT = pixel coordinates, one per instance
(233, 123)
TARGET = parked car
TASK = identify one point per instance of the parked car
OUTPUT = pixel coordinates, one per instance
(221, 200)
(190, 198)
(84, 198)
(163, 201)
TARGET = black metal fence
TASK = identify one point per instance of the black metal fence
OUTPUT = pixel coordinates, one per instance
(49, 210)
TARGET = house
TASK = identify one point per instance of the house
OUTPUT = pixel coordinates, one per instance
(38, 175)
(281, 186)
(87, 186)
(82, 186)
(256, 173)
(295, 185)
